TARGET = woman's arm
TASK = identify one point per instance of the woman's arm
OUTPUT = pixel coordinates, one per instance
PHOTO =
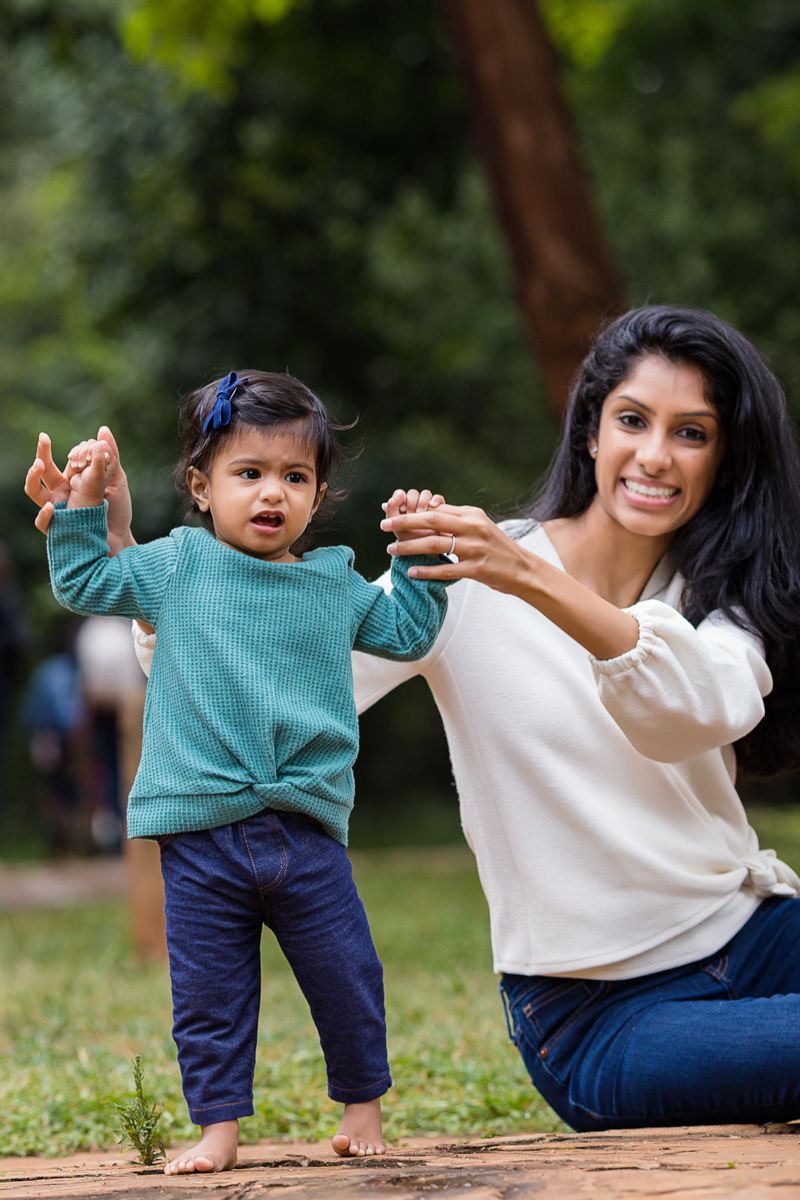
(684, 691)
(486, 554)
(674, 691)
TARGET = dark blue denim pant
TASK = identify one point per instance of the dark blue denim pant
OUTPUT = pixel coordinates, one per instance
(222, 885)
(712, 1042)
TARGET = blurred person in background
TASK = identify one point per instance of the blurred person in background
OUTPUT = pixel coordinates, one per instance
(109, 677)
(55, 717)
(14, 642)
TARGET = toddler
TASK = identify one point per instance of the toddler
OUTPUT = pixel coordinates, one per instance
(250, 735)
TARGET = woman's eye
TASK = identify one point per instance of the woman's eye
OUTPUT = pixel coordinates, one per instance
(694, 435)
(632, 420)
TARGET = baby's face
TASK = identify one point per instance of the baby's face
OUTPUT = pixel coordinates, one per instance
(261, 491)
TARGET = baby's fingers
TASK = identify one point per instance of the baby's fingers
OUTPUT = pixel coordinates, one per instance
(396, 504)
(80, 455)
(427, 500)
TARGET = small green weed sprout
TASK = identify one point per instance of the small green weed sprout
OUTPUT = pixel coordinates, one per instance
(139, 1120)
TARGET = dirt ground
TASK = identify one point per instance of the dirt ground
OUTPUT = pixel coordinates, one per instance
(60, 885)
(744, 1162)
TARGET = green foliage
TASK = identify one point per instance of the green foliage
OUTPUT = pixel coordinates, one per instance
(201, 40)
(583, 30)
(773, 108)
(75, 1007)
(328, 218)
(699, 191)
(189, 187)
(139, 1121)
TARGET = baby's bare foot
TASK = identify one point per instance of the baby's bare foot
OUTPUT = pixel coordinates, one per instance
(216, 1150)
(360, 1133)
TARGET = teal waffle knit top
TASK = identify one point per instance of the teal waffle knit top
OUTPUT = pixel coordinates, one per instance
(250, 698)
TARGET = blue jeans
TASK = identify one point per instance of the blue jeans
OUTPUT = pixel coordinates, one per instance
(712, 1042)
(222, 885)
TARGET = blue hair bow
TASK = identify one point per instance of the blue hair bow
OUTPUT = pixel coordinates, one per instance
(221, 412)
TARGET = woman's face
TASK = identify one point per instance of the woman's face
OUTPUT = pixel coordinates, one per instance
(658, 448)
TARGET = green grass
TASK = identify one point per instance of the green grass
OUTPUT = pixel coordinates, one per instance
(75, 1008)
(778, 828)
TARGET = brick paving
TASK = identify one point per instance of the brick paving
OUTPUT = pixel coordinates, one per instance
(744, 1162)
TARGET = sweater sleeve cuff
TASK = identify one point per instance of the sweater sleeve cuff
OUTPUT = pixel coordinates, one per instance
(91, 518)
(633, 658)
(401, 562)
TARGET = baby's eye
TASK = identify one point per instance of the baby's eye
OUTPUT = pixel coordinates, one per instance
(250, 473)
(296, 477)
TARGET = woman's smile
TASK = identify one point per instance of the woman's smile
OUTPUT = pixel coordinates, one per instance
(649, 495)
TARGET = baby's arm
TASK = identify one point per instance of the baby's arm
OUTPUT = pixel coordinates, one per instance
(95, 463)
(84, 578)
(87, 581)
(404, 623)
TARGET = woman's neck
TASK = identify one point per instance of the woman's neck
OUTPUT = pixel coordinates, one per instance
(604, 556)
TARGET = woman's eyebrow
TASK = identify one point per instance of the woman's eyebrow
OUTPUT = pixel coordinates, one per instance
(701, 412)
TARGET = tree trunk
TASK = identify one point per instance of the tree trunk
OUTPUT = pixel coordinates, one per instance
(568, 285)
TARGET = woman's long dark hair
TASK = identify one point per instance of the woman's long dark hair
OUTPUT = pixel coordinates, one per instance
(740, 554)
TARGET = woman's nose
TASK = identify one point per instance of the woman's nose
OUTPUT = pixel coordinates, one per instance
(654, 453)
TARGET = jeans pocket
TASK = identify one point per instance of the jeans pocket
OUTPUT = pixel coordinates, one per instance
(551, 1018)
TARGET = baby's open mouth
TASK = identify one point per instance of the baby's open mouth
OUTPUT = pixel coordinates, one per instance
(268, 520)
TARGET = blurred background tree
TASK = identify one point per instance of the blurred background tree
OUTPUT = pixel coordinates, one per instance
(187, 187)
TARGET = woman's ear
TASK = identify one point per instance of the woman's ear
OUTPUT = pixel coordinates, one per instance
(322, 490)
(197, 483)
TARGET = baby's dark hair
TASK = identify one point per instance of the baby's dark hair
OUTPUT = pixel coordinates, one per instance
(266, 400)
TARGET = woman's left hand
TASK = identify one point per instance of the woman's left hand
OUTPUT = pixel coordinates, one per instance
(484, 552)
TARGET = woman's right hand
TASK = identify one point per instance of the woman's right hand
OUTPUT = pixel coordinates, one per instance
(47, 486)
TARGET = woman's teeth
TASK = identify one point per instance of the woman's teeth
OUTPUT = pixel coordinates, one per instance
(641, 489)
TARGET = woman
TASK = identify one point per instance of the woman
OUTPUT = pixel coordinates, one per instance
(593, 694)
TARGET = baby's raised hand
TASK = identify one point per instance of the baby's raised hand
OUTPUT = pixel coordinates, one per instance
(90, 466)
(412, 502)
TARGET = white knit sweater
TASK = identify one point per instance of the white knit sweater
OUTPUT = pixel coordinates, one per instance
(598, 797)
